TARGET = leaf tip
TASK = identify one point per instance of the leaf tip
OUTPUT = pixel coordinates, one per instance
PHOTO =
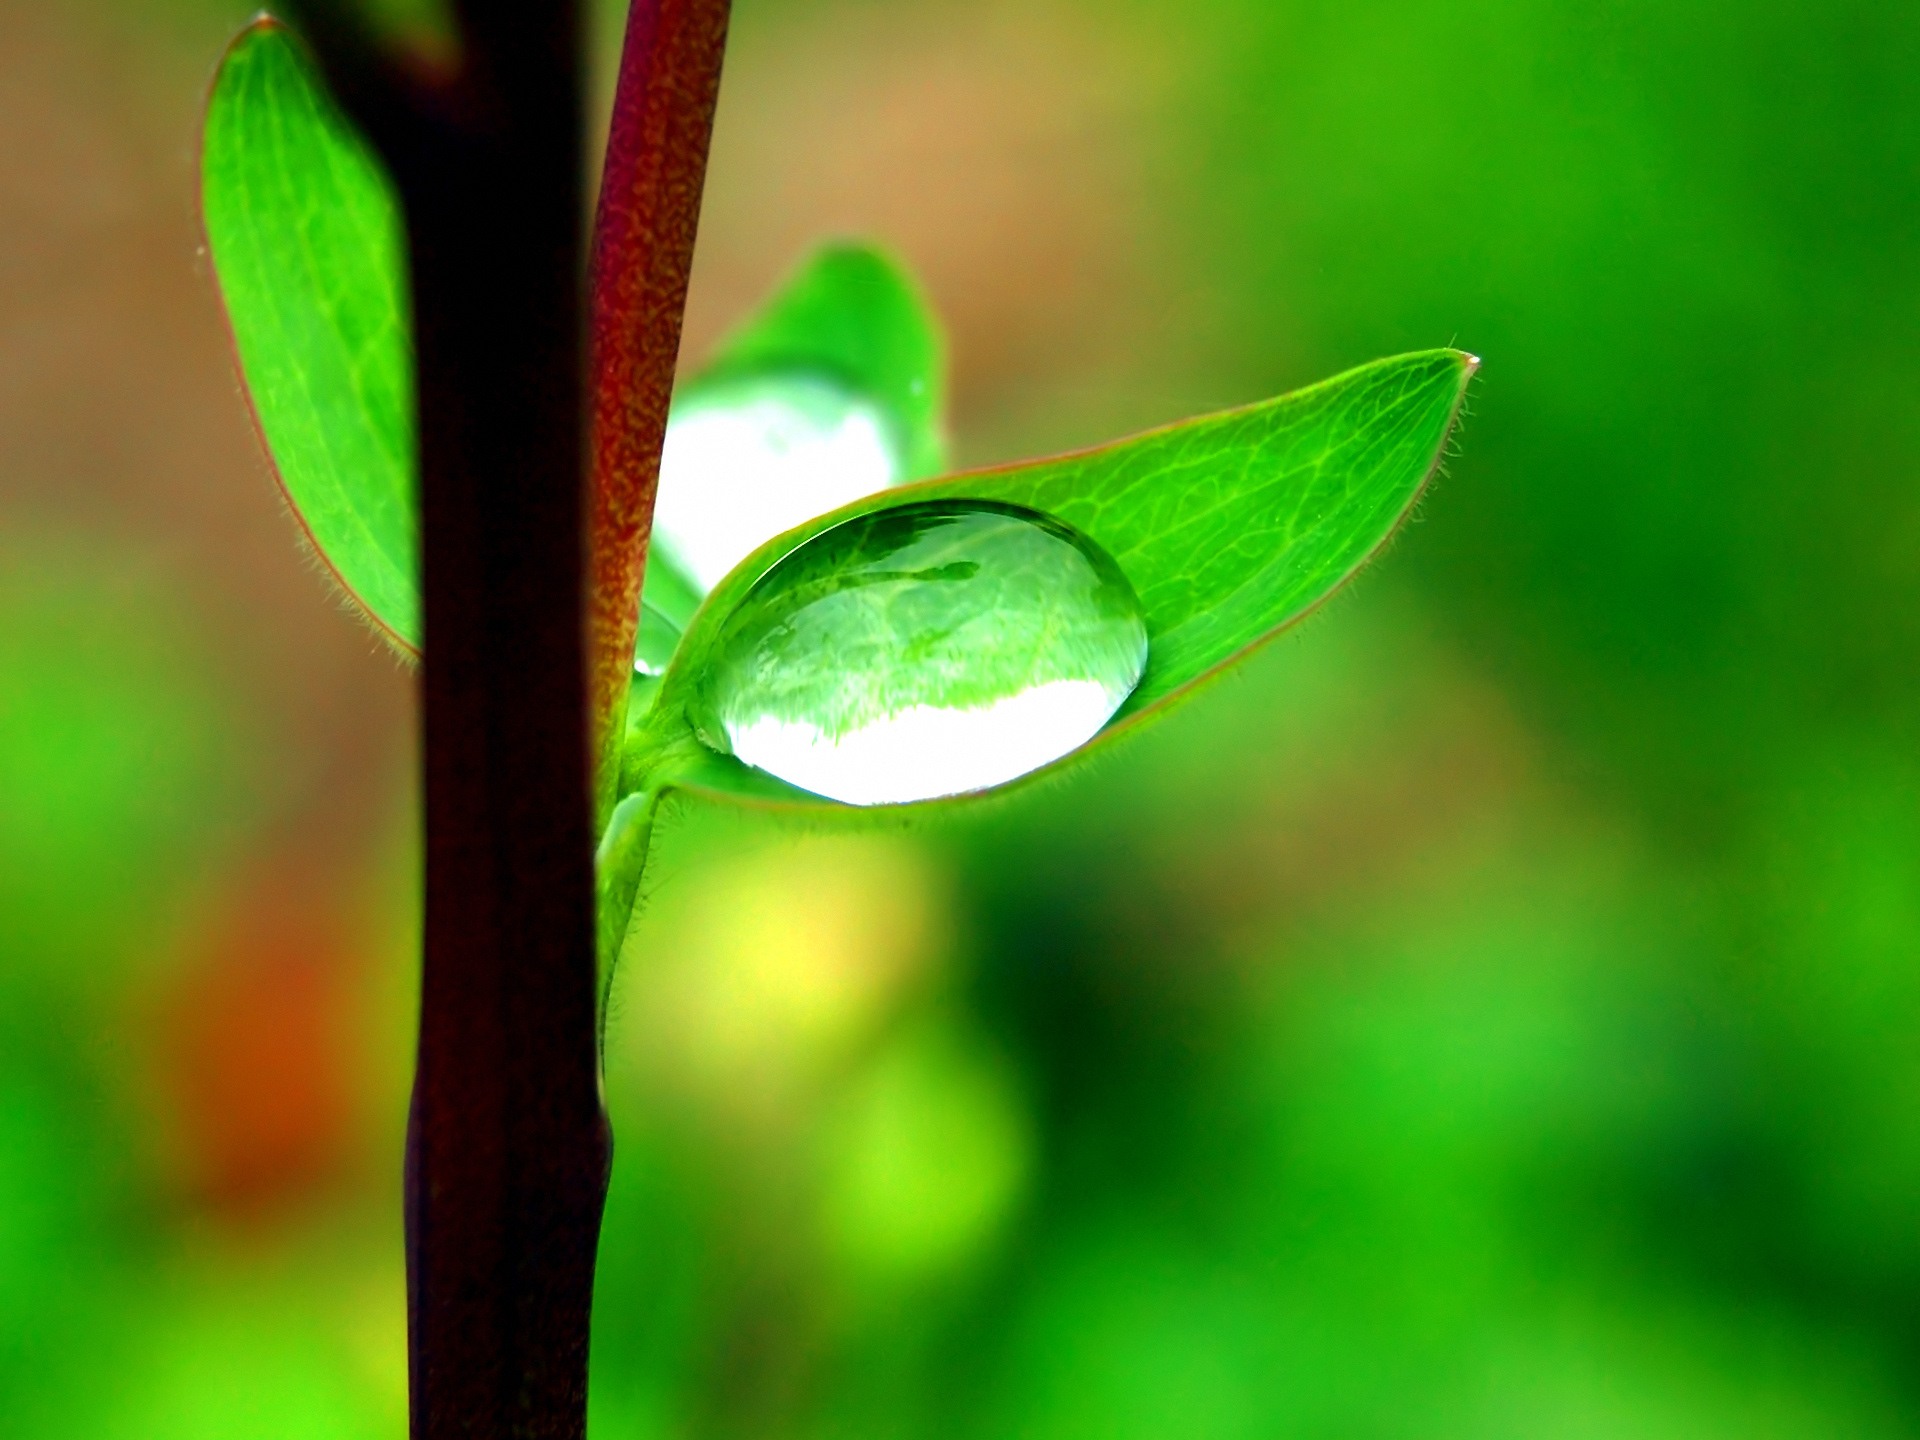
(1467, 365)
(261, 22)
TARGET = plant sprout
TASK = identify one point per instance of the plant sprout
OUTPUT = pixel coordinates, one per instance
(828, 619)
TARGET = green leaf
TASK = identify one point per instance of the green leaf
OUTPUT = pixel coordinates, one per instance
(1230, 528)
(309, 248)
(852, 314)
(619, 862)
(836, 387)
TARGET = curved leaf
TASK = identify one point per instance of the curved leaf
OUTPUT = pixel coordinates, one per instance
(852, 313)
(1231, 528)
(849, 335)
(309, 249)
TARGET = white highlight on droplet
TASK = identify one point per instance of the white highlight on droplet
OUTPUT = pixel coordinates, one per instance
(737, 472)
(926, 751)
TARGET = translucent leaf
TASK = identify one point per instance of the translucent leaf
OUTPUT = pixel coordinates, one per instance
(852, 314)
(309, 248)
(1230, 528)
(834, 391)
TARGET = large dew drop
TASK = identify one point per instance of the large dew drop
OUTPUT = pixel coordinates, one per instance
(748, 458)
(928, 650)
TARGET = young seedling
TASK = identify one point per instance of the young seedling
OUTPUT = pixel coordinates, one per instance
(825, 621)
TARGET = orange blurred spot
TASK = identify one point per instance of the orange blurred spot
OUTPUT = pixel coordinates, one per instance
(255, 1058)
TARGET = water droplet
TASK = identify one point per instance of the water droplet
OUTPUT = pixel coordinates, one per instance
(748, 458)
(655, 643)
(667, 603)
(927, 650)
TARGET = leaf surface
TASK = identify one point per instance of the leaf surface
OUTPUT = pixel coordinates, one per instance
(1230, 527)
(853, 314)
(308, 246)
(850, 325)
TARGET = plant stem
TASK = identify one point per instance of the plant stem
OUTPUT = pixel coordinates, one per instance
(508, 1145)
(642, 256)
(508, 1148)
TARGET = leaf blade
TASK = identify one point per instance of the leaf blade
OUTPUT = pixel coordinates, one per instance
(850, 315)
(308, 251)
(1231, 527)
(854, 313)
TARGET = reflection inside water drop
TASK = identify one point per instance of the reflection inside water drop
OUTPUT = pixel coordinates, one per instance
(746, 459)
(928, 650)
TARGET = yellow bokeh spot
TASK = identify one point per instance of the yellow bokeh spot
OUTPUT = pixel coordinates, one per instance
(760, 976)
(927, 1154)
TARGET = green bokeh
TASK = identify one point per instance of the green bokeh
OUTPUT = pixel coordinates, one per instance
(1493, 1015)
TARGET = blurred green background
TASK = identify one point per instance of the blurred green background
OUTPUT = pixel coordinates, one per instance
(1496, 1013)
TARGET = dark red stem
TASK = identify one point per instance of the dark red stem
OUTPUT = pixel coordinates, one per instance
(642, 254)
(508, 1147)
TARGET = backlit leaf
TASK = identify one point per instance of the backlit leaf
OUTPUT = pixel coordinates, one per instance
(852, 314)
(1230, 528)
(834, 390)
(309, 247)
